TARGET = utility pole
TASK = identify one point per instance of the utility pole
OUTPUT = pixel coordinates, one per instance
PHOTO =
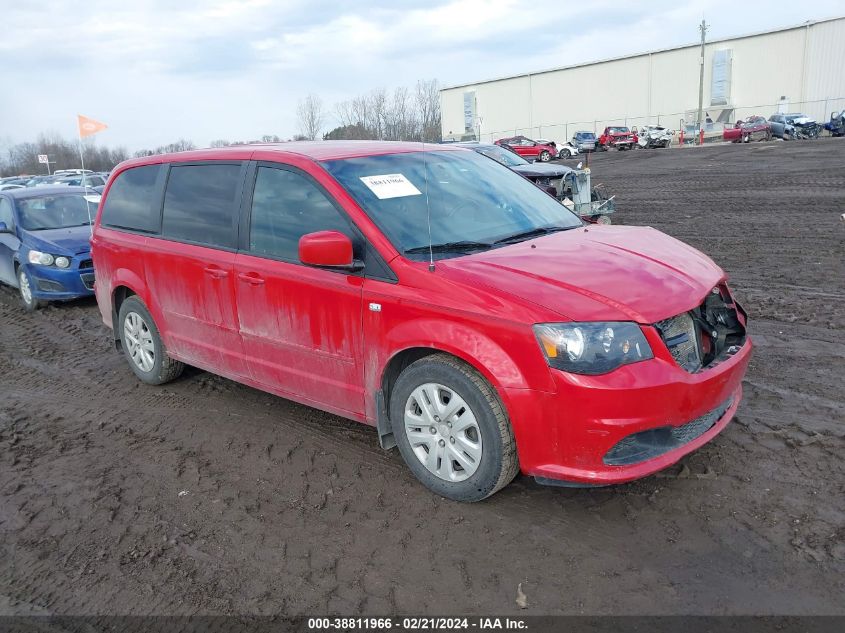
(703, 28)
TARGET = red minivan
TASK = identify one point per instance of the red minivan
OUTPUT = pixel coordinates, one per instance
(428, 291)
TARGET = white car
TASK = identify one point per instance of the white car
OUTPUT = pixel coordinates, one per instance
(654, 136)
(564, 150)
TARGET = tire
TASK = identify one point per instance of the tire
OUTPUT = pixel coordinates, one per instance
(746, 138)
(487, 429)
(134, 317)
(545, 156)
(25, 285)
(565, 153)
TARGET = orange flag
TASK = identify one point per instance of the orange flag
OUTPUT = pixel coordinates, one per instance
(87, 126)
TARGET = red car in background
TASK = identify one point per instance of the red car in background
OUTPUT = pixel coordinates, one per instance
(754, 128)
(617, 136)
(524, 146)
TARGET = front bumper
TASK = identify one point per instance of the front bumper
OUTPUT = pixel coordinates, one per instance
(55, 284)
(570, 436)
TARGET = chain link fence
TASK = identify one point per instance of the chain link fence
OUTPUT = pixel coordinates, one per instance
(820, 110)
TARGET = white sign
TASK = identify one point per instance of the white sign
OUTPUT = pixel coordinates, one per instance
(390, 186)
(42, 158)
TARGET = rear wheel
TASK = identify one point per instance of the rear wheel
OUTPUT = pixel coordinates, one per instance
(565, 153)
(142, 344)
(452, 430)
(545, 156)
(25, 287)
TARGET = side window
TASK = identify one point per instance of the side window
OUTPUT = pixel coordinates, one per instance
(129, 204)
(199, 204)
(285, 206)
(6, 215)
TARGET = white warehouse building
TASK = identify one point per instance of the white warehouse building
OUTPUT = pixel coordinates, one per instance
(795, 69)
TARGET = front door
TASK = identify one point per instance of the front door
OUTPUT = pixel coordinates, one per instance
(300, 326)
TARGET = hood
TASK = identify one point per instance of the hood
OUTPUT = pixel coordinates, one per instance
(601, 273)
(69, 241)
(541, 170)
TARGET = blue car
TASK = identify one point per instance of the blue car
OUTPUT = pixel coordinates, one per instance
(44, 243)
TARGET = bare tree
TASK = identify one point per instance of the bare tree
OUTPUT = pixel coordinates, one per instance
(428, 109)
(309, 114)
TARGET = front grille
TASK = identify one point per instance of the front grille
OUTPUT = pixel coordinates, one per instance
(86, 263)
(706, 335)
(645, 445)
(87, 280)
(679, 334)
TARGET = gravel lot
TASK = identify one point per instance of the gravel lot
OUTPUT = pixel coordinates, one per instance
(205, 496)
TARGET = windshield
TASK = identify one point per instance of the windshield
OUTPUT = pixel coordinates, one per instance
(585, 136)
(55, 212)
(618, 130)
(472, 200)
(501, 155)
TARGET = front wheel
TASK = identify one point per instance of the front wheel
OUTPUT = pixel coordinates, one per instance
(565, 153)
(452, 430)
(142, 344)
(30, 303)
(545, 156)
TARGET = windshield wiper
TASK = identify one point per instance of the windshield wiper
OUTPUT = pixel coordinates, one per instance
(535, 232)
(449, 247)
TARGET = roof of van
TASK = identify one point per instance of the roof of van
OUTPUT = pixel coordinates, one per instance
(316, 150)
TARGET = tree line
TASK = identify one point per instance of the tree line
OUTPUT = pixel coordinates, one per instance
(403, 114)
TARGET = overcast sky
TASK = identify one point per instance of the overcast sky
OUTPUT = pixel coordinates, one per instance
(159, 70)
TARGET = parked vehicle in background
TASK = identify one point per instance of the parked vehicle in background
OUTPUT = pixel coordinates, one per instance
(528, 148)
(616, 136)
(806, 127)
(6, 186)
(781, 125)
(40, 181)
(88, 180)
(562, 150)
(754, 128)
(546, 176)
(479, 327)
(836, 125)
(654, 136)
(585, 141)
(44, 248)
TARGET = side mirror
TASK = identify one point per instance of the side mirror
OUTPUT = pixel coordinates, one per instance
(4, 228)
(328, 249)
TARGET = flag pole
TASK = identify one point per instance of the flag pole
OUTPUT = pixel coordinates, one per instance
(82, 162)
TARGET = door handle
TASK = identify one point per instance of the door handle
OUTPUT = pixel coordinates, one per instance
(217, 273)
(251, 278)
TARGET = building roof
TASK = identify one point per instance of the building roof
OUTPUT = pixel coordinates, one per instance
(806, 24)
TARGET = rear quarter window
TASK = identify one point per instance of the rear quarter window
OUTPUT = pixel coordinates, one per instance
(130, 204)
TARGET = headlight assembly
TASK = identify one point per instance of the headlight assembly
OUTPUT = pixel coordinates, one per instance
(592, 348)
(37, 257)
(62, 262)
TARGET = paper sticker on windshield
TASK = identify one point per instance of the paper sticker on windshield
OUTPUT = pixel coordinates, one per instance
(390, 186)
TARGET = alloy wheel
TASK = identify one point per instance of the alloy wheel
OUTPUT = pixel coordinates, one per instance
(25, 288)
(139, 341)
(443, 432)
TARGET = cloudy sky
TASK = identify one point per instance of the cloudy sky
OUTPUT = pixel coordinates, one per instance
(159, 70)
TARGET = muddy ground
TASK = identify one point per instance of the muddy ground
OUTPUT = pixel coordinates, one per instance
(205, 496)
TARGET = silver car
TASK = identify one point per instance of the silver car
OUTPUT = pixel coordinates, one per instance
(584, 141)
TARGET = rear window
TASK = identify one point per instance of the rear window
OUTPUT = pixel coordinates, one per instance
(129, 204)
(199, 204)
